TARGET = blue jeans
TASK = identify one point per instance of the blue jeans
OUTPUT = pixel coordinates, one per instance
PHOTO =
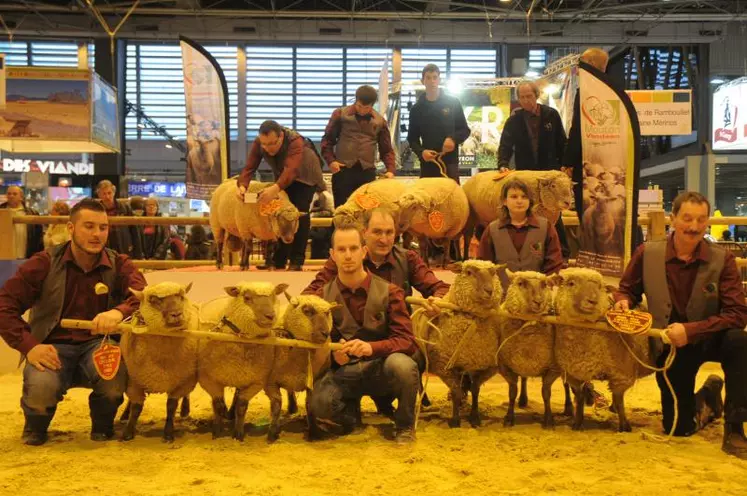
(396, 375)
(43, 390)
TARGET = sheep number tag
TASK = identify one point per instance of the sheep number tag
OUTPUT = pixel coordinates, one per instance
(270, 208)
(631, 322)
(107, 359)
(436, 220)
(366, 202)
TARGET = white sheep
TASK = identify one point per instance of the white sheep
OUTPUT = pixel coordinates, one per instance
(161, 364)
(250, 312)
(468, 340)
(602, 226)
(248, 221)
(379, 193)
(435, 209)
(526, 348)
(306, 318)
(585, 354)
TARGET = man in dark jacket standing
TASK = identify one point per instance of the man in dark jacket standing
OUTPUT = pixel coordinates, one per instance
(437, 128)
(535, 137)
(28, 237)
(122, 239)
(297, 168)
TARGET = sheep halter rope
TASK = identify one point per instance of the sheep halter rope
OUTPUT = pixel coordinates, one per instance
(598, 326)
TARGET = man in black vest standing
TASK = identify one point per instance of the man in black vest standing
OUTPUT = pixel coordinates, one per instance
(694, 290)
(350, 141)
(297, 168)
(67, 282)
(375, 329)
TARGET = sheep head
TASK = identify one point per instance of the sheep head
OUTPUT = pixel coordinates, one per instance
(284, 223)
(309, 318)
(164, 306)
(476, 286)
(555, 192)
(528, 293)
(409, 205)
(252, 309)
(348, 215)
(582, 294)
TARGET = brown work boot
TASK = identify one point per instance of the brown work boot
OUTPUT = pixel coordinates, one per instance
(735, 442)
(404, 436)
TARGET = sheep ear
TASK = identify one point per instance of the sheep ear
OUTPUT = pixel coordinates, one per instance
(334, 306)
(138, 294)
(555, 280)
(233, 291)
(456, 267)
(154, 301)
(293, 301)
(510, 274)
(187, 288)
(281, 288)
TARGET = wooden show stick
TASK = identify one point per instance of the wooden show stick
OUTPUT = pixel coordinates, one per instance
(214, 336)
(547, 319)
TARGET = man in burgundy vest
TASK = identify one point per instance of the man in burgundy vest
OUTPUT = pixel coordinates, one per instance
(374, 326)
(350, 141)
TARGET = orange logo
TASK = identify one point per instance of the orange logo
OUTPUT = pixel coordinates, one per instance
(366, 202)
(436, 220)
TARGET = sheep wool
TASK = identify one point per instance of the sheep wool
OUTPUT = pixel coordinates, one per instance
(434, 196)
(585, 354)
(380, 193)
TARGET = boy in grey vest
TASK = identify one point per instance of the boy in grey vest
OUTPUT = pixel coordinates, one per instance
(375, 329)
(80, 279)
(694, 290)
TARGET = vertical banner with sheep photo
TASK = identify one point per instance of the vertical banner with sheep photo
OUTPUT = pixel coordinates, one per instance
(206, 97)
(610, 137)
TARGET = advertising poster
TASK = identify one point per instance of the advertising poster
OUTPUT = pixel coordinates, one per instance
(486, 110)
(104, 122)
(730, 116)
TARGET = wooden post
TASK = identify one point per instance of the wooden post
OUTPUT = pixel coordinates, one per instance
(657, 229)
(8, 235)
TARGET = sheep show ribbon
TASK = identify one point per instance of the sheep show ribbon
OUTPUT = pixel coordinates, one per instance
(213, 336)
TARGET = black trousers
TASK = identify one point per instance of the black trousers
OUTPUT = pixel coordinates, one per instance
(564, 248)
(729, 348)
(301, 195)
(348, 179)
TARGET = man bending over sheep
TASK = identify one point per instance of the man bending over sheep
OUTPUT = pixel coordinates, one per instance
(694, 290)
(61, 283)
(375, 328)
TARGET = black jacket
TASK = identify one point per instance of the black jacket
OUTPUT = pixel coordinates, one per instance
(34, 232)
(516, 141)
(432, 122)
(156, 246)
(125, 239)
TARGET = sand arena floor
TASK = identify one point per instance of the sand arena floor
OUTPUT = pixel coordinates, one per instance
(524, 459)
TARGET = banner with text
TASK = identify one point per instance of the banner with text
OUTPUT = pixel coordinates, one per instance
(663, 112)
(610, 137)
(206, 96)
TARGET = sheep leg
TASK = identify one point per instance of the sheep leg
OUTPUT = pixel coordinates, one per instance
(184, 412)
(276, 406)
(424, 245)
(242, 403)
(454, 383)
(168, 430)
(477, 381)
(219, 243)
(523, 398)
(618, 399)
(513, 389)
(246, 247)
(219, 412)
(125, 413)
(578, 416)
(547, 381)
(292, 403)
(568, 406)
(231, 412)
(136, 396)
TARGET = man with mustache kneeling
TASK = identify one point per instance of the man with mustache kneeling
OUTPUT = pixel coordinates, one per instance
(694, 290)
(375, 329)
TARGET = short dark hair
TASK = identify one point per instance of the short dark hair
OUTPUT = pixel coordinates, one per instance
(368, 214)
(270, 126)
(366, 95)
(692, 197)
(430, 68)
(347, 229)
(86, 204)
(521, 186)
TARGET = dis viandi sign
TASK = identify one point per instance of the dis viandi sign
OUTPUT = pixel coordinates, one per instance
(64, 168)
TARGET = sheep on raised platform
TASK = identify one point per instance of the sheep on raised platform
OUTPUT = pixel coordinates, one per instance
(468, 340)
(306, 318)
(379, 193)
(586, 354)
(230, 216)
(161, 364)
(527, 347)
(250, 313)
(435, 209)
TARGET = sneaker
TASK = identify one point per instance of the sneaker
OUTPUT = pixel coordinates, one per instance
(102, 436)
(404, 436)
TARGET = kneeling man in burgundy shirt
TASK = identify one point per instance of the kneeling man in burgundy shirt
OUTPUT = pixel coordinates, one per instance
(61, 284)
(375, 328)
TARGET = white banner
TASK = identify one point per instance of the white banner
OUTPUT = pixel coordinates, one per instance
(663, 112)
(730, 116)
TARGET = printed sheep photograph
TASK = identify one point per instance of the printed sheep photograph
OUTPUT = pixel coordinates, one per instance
(245, 430)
